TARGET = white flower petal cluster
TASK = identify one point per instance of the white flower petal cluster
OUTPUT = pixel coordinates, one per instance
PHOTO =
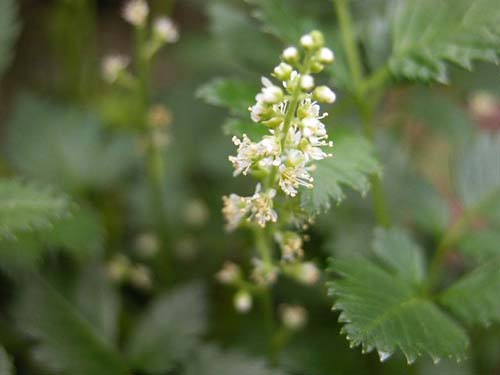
(296, 139)
(166, 30)
(257, 208)
(136, 12)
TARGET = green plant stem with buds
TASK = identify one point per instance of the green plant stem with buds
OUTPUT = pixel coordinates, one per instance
(155, 160)
(362, 86)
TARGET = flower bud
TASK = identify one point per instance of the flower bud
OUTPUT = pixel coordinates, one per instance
(242, 301)
(118, 267)
(229, 273)
(165, 30)
(140, 277)
(294, 317)
(326, 56)
(135, 12)
(307, 273)
(307, 41)
(147, 245)
(283, 71)
(291, 55)
(113, 66)
(324, 94)
(316, 67)
(306, 82)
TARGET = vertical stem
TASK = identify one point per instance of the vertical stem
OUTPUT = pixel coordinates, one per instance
(363, 103)
(349, 41)
(155, 160)
(265, 251)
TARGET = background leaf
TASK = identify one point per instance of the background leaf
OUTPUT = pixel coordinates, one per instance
(25, 207)
(209, 360)
(65, 146)
(395, 248)
(168, 330)
(351, 165)
(64, 337)
(427, 33)
(383, 312)
(475, 298)
(478, 172)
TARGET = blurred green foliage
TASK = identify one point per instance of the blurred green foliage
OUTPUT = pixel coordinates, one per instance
(81, 279)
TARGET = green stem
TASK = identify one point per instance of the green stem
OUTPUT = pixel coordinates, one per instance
(349, 41)
(265, 251)
(155, 160)
(449, 239)
(361, 88)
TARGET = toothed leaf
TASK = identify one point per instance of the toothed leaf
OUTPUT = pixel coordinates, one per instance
(429, 33)
(352, 164)
(475, 298)
(168, 330)
(24, 207)
(384, 312)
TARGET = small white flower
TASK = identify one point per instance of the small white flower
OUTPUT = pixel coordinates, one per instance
(308, 273)
(271, 94)
(293, 176)
(326, 55)
(307, 41)
(291, 54)
(229, 273)
(112, 66)
(243, 301)
(306, 82)
(136, 12)
(324, 94)
(234, 210)
(290, 244)
(283, 71)
(311, 126)
(264, 273)
(294, 317)
(261, 207)
(166, 30)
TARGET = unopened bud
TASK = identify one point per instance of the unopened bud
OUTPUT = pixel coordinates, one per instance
(136, 12)
(165, 30)
(294, 317)
(291, 55)
(308, 273)
(113, 66)
(283, 71)
(243, 301)
(324, 94)
(326, 55)
(229, 273)
(306, 82)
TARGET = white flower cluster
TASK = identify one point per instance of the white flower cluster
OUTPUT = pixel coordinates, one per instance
(297, 136)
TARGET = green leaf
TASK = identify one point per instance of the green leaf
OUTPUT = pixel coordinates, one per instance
(475, 298)
(209, 360)
(233, 94)
(98, 301)
(351, 165)
(66, 146)
(482, 245)
(6, 367)
(397, 250)
(25, 207)
(81, 235)
(478, 173)
(239, 39)
(281, 19)
(168, 330)
(65, 339)
(428, 33)
(384, 312)
(9, 30)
